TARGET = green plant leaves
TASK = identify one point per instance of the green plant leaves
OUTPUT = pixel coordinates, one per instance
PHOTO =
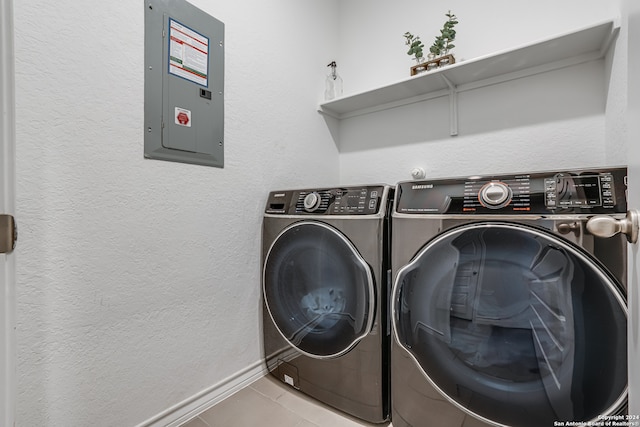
(447, 35)
(441, 44)
(415, 45)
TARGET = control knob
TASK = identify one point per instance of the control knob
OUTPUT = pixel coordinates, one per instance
(495, 195)
(312, 201)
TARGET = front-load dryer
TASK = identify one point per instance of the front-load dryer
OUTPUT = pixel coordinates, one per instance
(325, 295)
(509, 300)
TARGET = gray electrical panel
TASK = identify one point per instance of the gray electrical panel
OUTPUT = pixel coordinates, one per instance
(184, 84)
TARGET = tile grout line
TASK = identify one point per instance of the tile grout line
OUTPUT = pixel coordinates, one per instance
(275, 400)
(311, 401)
(202, 419)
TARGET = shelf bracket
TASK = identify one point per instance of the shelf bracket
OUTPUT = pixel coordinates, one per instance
(453, 106)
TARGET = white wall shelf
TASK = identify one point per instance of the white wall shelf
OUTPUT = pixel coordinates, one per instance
(575, 47)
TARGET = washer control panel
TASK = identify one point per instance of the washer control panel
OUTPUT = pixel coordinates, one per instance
(364, 200)
(565, 190)
(590, 191)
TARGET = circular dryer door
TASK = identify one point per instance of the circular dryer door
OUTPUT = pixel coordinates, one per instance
(514, 325)
(318, 290)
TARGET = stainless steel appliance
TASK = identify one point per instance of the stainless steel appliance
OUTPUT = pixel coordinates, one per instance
(507, 307)
(325, 287)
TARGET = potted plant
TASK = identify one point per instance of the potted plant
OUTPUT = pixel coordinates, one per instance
(416, 47)
(444, 42)
(438, 52)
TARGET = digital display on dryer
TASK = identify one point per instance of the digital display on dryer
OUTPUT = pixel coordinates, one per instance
(578, 191)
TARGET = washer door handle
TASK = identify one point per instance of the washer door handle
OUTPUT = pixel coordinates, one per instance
(607, 226)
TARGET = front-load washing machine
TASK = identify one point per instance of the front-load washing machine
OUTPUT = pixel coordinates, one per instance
(509, 299)
(325, 286)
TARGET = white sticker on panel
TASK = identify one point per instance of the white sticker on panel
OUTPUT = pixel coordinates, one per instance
(188, 53)
(182, 117)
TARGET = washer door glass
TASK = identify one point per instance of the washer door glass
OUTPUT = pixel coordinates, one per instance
(514, 325)
(318, 290)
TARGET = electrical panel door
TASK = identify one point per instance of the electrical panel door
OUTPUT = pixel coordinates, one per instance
(184, 84)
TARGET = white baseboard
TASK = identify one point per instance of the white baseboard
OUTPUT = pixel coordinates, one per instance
(205, 399)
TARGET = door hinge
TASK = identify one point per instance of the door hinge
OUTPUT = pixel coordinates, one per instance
(8, 234)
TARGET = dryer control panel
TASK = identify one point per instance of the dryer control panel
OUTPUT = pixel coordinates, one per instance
(364, 200)
(589, 191)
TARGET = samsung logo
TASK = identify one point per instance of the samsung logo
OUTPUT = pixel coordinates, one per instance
(421, 186)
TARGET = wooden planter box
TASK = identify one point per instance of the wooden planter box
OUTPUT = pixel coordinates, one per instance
(433, 64)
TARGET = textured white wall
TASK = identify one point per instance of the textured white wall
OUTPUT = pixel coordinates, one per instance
(554, 120)
(615, 142)
(138, 280)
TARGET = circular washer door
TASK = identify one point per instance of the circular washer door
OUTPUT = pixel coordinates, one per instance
(514, 325)
(318, 290)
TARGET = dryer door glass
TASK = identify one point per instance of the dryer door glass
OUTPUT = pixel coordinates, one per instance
(514, 325)
(318, 290)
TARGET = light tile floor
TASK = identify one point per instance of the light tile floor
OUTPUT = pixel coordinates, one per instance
(270, 403)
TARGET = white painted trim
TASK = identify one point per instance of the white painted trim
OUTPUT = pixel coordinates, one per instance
(205, 399)
(7, 201)
(631, 18)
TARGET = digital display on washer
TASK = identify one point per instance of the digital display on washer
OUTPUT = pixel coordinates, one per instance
(577, 191)
(353, 201)
(357, 201)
